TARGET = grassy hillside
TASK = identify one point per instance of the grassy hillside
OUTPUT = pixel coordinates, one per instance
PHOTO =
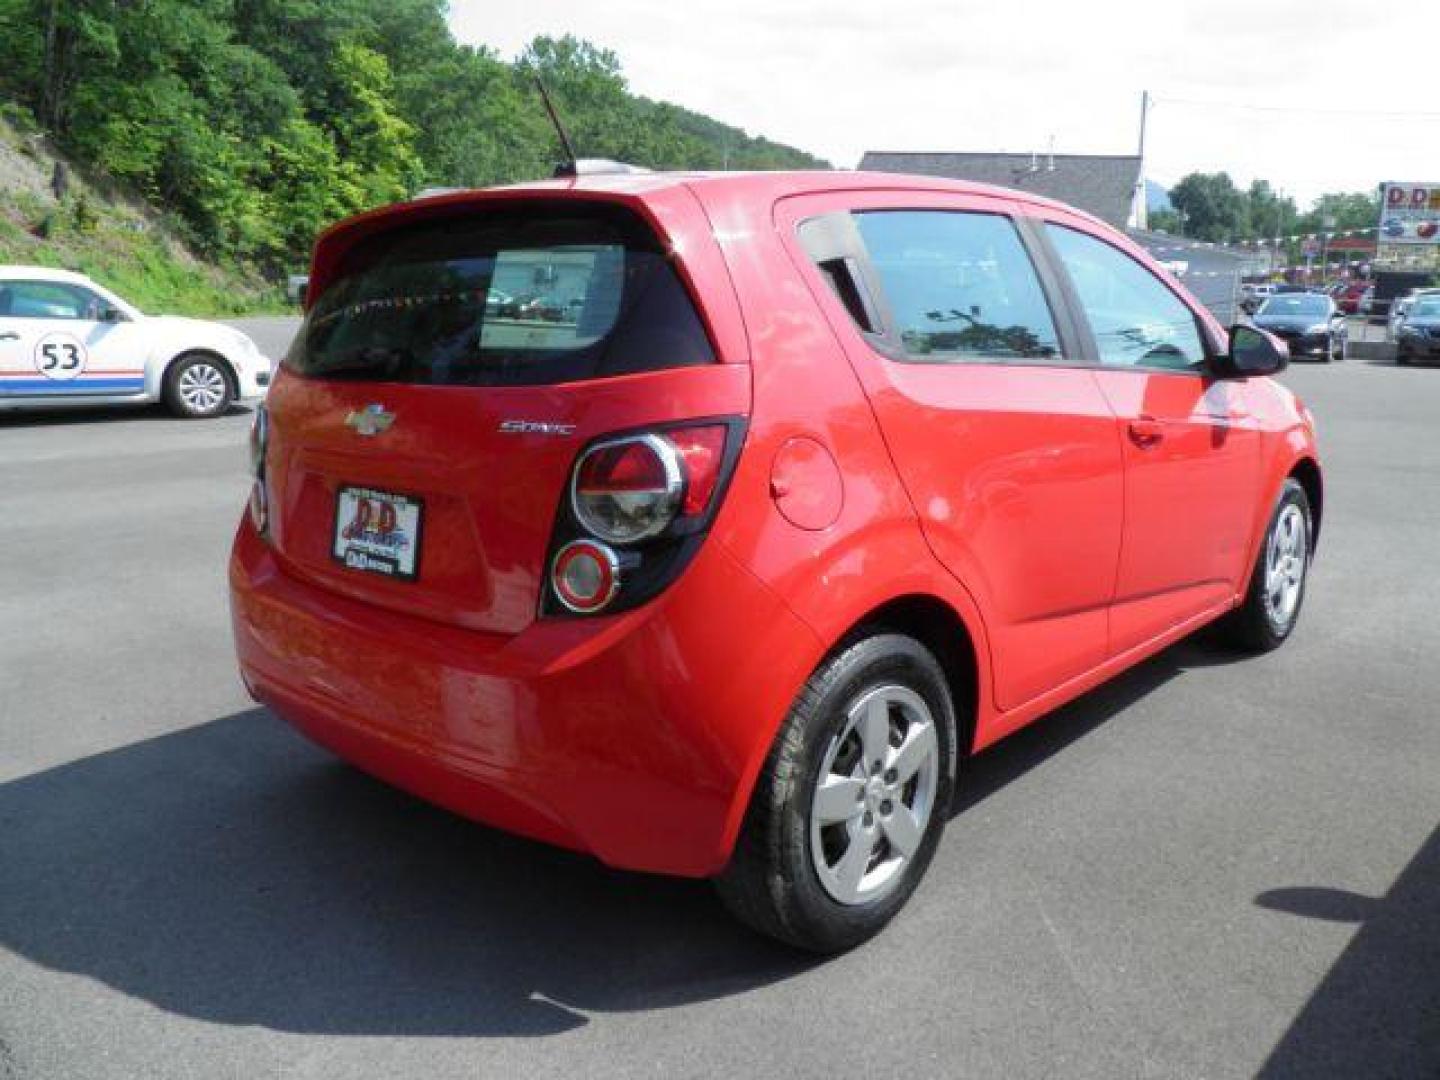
(119, 242)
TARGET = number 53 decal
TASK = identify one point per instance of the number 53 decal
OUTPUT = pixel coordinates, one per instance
(60, 356)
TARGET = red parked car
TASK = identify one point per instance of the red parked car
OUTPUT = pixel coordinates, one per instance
(828, 482)
(1349, 298)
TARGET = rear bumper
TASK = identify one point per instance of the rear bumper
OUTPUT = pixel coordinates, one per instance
(635, 738)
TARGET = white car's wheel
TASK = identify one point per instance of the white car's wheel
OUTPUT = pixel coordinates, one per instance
(197, 386)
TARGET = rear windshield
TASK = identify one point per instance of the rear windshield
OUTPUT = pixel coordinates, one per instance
(544, 294)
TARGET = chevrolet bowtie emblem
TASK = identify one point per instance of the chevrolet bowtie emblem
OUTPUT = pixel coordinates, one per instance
(371, 420)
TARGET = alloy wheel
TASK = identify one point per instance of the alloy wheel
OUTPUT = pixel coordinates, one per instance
(1286, 560)
(202, 387)
(875, 795)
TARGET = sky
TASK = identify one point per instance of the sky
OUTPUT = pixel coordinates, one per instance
(1311, 95)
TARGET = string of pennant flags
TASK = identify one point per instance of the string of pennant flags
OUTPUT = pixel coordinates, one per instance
(1335, 234)
(1268, 241)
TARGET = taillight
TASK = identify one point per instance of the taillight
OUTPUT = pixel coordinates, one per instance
(629, 489)
(259, 504)
(701, 450)
(649, 494)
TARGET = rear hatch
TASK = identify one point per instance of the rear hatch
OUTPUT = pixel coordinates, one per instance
(452, 366)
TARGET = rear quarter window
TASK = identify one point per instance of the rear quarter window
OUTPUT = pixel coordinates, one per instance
(533, 295)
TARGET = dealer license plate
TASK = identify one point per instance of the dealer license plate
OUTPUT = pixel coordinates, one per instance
(378, 532)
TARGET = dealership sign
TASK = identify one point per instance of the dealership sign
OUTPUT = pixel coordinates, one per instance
(1409, 233)
(1410, 213)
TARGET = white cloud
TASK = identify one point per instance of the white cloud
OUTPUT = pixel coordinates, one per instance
(842, 77)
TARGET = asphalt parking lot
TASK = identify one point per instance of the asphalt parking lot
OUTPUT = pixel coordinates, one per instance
(1215, 867)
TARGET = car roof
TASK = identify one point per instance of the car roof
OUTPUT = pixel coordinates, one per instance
(42, 273)
(778, 184)
(709, 188)
(758, 186)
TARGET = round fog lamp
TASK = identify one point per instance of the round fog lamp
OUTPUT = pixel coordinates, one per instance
(585, 576)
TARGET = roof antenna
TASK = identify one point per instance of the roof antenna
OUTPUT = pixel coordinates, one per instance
(570, 166)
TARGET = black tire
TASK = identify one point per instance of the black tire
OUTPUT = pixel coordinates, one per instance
(772, 882)
(198, 386)
(1255, 625)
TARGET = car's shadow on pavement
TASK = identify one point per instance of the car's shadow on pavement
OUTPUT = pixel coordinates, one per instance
(1377, 1011)
(234, 873)
(1017, 754)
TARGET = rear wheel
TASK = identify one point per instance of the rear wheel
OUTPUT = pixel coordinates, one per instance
(1277, 587)
(197, 386)
(852, 800)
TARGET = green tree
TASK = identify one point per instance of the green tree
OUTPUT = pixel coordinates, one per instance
(1350, 210)
(1268, 213)
(257, 123)
(1211, 206)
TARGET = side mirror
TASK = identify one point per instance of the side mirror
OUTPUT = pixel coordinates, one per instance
(1252, 352)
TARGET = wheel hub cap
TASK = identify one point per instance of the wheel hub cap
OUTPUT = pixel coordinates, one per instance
(1286, 559)
(202, 387)
(874, 795)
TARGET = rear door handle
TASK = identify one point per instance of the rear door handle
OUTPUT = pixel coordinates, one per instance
(1146, 431)
(9, 335)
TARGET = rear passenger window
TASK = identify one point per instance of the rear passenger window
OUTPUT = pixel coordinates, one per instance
(960, 286)
(1137, 321)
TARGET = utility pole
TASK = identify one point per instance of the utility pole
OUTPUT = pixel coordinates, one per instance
(1327, 226)
(1142, 196)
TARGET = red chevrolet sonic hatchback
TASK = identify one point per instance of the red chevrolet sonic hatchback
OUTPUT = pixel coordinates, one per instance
(707, 523)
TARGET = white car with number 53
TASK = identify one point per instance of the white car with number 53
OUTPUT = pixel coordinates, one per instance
(66, 341)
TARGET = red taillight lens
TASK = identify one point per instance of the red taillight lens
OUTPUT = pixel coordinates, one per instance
(701, 450)
(628, 489)
(585, 576)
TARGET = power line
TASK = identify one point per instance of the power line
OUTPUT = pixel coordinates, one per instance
(1297, 109)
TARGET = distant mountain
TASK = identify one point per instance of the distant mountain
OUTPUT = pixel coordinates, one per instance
(1157, 196)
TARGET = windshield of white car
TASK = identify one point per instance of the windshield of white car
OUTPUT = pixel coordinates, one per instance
(1428, 308)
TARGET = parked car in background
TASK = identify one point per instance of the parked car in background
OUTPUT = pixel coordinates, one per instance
(841, 478)
(1400, 307)
(1349, 298)
(1252, 296)
(67, 341)
(1309, 323)
(1418, 336)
